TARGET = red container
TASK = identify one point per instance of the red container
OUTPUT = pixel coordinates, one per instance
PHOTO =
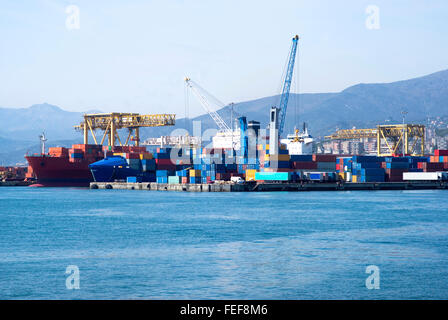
(395, 175)
(132, 155)
(171, 167)
(223, 176)
(164, 162)
(439, 152)
(324, 158)
(304, 165)
(283, 170)
(431, 166)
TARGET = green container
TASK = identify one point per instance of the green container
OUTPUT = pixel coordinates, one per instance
(174, 180)
(273, 176)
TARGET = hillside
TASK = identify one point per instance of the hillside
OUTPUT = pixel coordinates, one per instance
(362, 105)
(28, 123)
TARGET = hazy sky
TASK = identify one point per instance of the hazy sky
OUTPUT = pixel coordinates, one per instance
(133, 55)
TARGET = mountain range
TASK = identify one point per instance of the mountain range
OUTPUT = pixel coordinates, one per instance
(361, 106)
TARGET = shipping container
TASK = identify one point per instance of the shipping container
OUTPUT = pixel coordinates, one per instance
(133, 179)
(324, 158)
(272, 176)
(174, 179)
(425, 176)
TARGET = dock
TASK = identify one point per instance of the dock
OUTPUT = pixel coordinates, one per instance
(268, 187)
(15, 183)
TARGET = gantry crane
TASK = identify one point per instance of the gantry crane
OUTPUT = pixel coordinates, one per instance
(389, 138)
(111, 122)
(206, 99)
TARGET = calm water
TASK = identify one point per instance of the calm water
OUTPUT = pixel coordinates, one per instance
(166, 245)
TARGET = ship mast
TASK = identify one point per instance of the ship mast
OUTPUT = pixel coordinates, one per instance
(42, 142)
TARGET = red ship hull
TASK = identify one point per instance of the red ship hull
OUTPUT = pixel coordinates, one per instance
(63, 167)
(60, 171)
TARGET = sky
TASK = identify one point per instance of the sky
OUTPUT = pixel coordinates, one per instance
(132, 56)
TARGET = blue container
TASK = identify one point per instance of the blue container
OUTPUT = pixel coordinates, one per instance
(76, 155)
(372, 172)
(162, 173)
(397, 165)
(363, 165)
(148, 165)
(272, 176)
(396, 159)
(379, 178)
(162, 179)
(302, 158)
(195, 179)
(367, 159)
(133, 179)
(315, 176)
(161, 155)
(279, 164)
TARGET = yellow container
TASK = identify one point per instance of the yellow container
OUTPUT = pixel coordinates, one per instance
(195, 173)
(145, 156)
(250, 174)
(267, 147)
(279, 157)
(354, 178)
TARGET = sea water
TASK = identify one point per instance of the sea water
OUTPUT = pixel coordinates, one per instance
(68, 243)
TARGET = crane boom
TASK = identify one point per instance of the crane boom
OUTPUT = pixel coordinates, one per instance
(287, 85)
(201, 94)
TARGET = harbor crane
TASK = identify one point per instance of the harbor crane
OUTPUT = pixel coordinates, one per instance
(388, 138)
(278, 114)
(205, 99)
(111, 122)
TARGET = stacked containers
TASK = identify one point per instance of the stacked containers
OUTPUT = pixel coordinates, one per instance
(162, 176)
(58, 152)
(395, 166)
(195, 176)
(163, 159)
(303, 162)
(325, 162)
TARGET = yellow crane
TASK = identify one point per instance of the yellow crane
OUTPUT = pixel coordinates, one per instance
(389, 138)
(111, 122)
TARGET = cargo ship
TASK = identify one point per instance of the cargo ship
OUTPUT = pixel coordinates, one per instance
(117, 168)
(64, 167)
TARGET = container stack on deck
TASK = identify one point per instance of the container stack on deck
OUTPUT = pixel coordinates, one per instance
(80, 152)
(388, 169)
(210, 165)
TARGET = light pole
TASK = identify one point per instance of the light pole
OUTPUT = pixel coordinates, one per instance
(403, 114)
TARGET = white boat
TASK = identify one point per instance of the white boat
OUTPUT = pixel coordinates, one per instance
(299, 142)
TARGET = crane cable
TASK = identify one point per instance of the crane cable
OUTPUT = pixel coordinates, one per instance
(187, 107)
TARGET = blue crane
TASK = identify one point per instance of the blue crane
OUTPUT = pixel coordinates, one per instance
(287, 85)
